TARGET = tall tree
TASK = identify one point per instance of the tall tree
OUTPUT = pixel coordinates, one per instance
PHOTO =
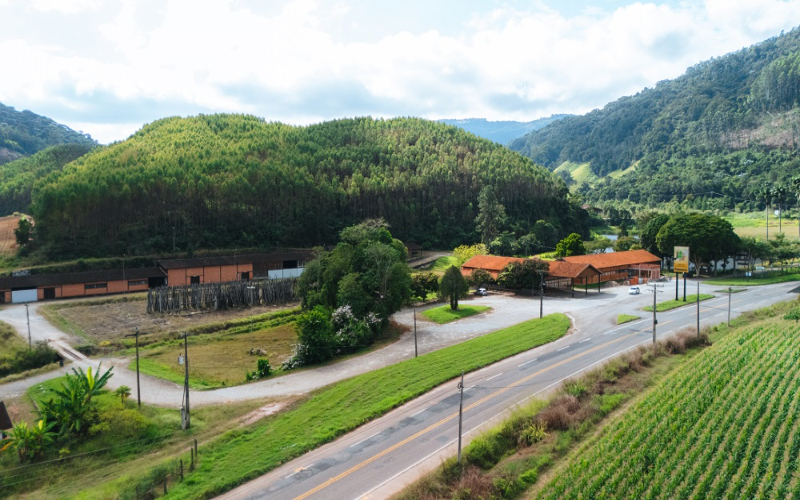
(491, 215)
(571, 245)
(708, 237)
(453, 286)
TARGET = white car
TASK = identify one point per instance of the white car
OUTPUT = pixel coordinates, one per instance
(634, 290)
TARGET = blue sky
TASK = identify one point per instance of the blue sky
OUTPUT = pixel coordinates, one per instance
(108, 67)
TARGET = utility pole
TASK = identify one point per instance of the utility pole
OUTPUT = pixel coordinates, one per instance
(416, 351)
(541, 296)
(698, 309)
(138, 387)
(684, 287)
(677, 284)
(460, 411)
(185, 410)
(173, 239)
(28, 318)
(655, 320)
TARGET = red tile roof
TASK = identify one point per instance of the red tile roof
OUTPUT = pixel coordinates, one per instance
(564, 269)
(614, 259)
(490, 262)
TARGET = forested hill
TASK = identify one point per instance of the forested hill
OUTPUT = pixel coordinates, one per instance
(18, 177)
(501, 131)
(23, 133)
(726, 126)
(227, 181)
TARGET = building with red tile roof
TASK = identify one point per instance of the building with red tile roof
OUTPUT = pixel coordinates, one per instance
(639, 264)
(493, 264)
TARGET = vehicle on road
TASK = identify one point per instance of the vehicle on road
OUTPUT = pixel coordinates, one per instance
(634, 290)
(481, 291)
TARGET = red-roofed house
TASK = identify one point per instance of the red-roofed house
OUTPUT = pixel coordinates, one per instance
(632, 265)
(493, 264)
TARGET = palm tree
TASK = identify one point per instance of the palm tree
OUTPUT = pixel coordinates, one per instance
(765, 193)
(779, 195)
(796, 190)
(124, 392)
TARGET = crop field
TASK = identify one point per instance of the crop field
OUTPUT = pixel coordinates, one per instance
(725, 426)
(8, 243)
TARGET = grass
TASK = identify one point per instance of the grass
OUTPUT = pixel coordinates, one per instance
(625, 318)
(220, 359)
(444, 314)
(441, 264)
(732, 290)
(244, 454)
(8, 241)
(770, 280)
(673, 304)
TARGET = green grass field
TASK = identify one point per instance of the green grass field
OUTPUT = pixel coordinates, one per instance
(247, 453)
(625, 318)
(672, 304)
(441, 264)
(723, 426)
(444, 314)
(781, 278)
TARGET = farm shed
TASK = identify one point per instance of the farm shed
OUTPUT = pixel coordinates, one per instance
(492, 264)
(18, 289)
(639, 264)
(289, 264)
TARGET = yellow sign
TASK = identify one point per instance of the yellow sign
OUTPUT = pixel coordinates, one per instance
(681, 262)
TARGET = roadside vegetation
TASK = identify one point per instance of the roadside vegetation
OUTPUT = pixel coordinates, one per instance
(754, 281)
(445, 314)
(625, 318)
(16, 358)
(245, 453)
(674, 304)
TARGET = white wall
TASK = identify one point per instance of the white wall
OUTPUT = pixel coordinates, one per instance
(286, 273)
(19, 296)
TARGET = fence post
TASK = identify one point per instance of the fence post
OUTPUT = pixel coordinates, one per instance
(181, 470)
(165, 485)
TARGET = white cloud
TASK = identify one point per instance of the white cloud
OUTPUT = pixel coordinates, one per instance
(289, 64)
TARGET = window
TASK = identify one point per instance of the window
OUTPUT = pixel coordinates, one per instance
(194, 280)
(290, 264)
(92, 286)
(245, 276)
(137, 282)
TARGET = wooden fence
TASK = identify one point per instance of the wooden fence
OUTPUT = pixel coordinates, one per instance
(226, 295)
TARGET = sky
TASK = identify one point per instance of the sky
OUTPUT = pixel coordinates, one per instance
(107, 67)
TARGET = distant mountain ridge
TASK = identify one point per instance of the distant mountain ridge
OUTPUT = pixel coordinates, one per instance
(710, 138)
(24, 133)
(502, 132)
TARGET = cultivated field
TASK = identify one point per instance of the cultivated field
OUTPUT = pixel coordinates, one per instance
(110, 319)
(8, 243)
(754, 224)
(724, 426)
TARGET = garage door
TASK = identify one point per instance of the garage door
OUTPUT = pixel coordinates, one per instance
(18, 296)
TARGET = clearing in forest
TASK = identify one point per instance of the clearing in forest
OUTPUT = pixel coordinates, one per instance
(8, 242)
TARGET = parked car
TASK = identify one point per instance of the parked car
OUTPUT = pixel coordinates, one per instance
(634, 290)
(481, 291)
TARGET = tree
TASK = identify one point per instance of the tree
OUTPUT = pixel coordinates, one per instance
(796, 191)
(315, 336)
(504, 244)
(491, 215)
(23, 231)
(708, 237)
(479, 277)
(650, 230)
(465, 252)
(453, 286)
(521, 275)
(72, 411)
(571, 245)
(597, 245)
(779, 193)
(765, 193)
(124, 392)
(527, 243)
(756, 249)
(30, 442)
(423, 284)
(624, 243)
(545, 235)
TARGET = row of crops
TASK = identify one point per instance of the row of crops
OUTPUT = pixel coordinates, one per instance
(723, 426)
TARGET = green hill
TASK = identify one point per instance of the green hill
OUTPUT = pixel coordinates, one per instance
(227, 181)
(708, 138)
(23, 133)
(18, 177)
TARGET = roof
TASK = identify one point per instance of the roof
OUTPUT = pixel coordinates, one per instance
(230, 260)
(38, 280)
(413, 247)
(490, 262)
(615, 259)
(564, 269)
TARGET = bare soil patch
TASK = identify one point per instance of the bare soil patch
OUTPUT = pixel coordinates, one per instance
(8, 242)
(111, 320)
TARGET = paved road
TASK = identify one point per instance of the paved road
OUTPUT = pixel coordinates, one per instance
(506, 311)
(381, 457)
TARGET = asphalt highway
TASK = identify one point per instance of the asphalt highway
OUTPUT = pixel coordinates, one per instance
(381, 457)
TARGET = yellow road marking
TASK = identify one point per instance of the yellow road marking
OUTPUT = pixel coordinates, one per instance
(455, 414)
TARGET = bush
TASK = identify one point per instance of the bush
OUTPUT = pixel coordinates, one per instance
(533, 433)
(28, 359)
(263, 369)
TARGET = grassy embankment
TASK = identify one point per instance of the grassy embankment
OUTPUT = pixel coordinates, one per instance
(441, 264)
(744, 281)
(625, 318)
(674, 304)
(444, 314)
(332, 411)
(18, 361)
(578, 444)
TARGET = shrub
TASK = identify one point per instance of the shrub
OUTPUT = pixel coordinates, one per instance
(576, 388)
(28, 359)
(262, 368)
(533, 433)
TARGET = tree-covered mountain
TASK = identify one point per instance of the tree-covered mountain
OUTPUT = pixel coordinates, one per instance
(18, 177)
(711, 137)
(502, 132)
(227, 181)
(23, 133)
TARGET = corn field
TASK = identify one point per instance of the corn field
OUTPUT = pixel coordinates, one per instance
(225, 295)
(725, 425)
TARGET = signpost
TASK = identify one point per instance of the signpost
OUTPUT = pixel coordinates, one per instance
(680, 264)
